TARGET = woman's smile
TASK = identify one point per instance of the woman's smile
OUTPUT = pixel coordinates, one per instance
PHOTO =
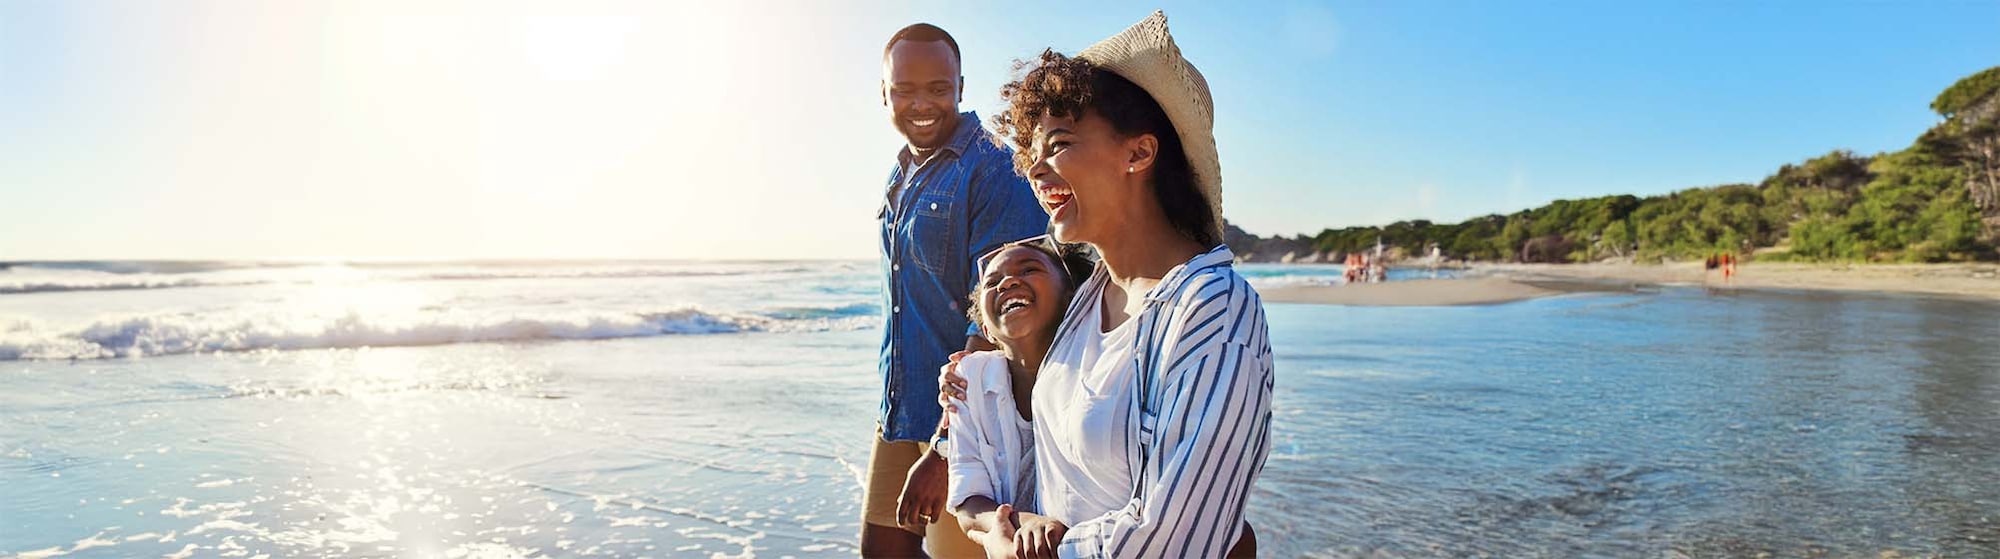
(1055, 198)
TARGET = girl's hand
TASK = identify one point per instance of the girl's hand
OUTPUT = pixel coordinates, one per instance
(1038, 536)
(999, 542)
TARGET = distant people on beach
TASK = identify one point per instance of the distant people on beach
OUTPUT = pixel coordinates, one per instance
(1363, 268)
(1724, 261)
(1152, 407)
(951, 195)
(1436, 259)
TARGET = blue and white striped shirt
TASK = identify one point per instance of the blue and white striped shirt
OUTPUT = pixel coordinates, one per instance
(1203, 416)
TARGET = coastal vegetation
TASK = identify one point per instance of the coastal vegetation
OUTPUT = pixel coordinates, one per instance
(1937, 200)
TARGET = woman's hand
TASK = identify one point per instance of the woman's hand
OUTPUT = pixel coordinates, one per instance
(1038, 536)
(924, 491)
(950, 385)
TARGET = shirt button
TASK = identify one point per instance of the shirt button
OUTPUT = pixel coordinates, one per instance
(933, 206)
(895, 267)
(897, 309)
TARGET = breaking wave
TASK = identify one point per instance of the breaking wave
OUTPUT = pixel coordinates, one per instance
(142, 336)
(56, 277)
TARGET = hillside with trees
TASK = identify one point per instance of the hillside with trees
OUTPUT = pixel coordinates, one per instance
(1935, 201)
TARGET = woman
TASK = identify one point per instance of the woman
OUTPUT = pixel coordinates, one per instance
(1152, 407)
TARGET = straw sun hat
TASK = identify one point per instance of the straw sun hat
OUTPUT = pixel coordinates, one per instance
(1146, 54)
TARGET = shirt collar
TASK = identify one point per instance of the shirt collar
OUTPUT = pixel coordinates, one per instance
(968, 131)
(987, 369)
(1220, 255)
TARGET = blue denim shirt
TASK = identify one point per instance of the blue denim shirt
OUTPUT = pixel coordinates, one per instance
(963, 202)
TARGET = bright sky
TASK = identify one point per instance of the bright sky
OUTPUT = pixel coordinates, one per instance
(399, 130)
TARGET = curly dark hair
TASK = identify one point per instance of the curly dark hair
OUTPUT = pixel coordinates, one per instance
(1063, 86)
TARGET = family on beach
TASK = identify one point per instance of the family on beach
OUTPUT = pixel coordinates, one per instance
(1102, 374)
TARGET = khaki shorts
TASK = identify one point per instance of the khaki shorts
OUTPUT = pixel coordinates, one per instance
(888, 467)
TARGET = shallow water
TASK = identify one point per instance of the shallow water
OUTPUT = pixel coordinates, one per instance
(1709, 423)
(537, 409)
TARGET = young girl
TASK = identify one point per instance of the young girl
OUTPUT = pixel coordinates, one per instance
(1023, 290)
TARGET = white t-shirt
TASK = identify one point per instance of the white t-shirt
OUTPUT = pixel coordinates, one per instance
(992, 446)
(1199, 351)
(1083, 398)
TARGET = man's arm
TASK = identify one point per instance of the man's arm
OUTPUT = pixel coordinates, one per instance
(926, 487)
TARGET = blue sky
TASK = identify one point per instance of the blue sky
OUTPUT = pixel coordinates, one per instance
(373, 130)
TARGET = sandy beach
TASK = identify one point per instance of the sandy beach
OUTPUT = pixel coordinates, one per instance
(1423, 292)
(1502, 283)
(1961, 280)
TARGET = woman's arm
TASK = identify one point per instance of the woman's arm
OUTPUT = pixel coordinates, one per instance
(1211, 387)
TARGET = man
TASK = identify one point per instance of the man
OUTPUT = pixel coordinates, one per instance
(951, 197)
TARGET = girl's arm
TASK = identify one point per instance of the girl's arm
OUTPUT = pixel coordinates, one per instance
(968, 474)
(990, 524)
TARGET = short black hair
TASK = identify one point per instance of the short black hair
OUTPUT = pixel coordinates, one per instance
(923, 33)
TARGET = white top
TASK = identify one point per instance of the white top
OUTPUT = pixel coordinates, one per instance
(992, 446)
(1082, 398)
(1197, 380)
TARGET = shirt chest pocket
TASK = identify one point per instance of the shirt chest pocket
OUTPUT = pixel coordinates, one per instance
(933, 243)
(1104, 411)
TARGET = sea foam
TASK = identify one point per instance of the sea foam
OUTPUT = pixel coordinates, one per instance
(45, 278)
(152, 335)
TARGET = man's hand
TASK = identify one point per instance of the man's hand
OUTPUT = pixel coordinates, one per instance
(1038, 536)
(924, 492)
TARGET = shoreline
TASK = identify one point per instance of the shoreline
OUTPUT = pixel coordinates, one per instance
(1490, 284)
(1415, 293)
(1974, 281)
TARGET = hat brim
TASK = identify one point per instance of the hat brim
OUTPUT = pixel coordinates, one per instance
(1146, 55)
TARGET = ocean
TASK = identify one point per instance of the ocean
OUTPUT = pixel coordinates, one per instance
(724, 409)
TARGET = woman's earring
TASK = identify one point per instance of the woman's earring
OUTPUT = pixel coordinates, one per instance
(1129, 169)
